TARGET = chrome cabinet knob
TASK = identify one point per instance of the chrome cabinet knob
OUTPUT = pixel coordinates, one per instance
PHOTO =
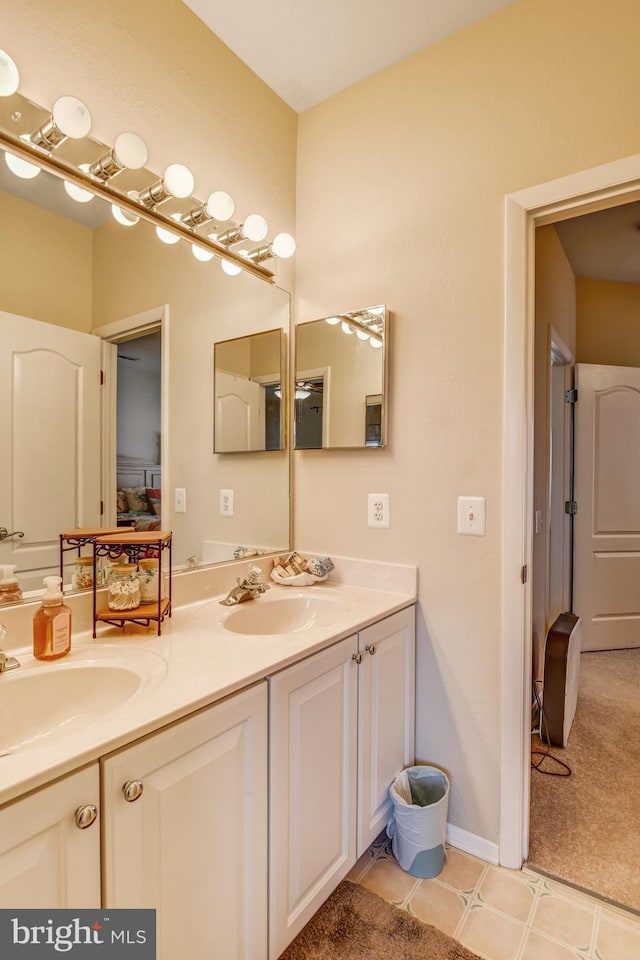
(371, 648)
(357, 657)
(86, 815)
(132, 789)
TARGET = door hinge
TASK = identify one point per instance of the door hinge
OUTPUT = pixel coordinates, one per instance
(102, 378)
(101, 507)
(571, 396)
(571, 507)
(524, 573)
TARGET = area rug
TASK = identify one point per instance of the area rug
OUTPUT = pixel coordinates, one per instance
(355, 924)
(585, 828)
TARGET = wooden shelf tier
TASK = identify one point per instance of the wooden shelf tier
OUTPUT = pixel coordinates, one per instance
(144, 612)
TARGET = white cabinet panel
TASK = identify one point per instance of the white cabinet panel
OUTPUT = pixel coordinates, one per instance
(194, 844)
(313, 716)
(386, 698)
(45, 859)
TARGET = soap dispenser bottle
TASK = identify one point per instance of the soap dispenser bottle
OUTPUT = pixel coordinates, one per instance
(52, 623)
(9, 587)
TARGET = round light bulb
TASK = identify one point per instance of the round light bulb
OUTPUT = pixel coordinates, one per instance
(72, 118)
(362, 335)
(123, 216)
(201, 254)
(333, 320)
(255, 227)
(21, 168)
(283, 245)
(167, 236)
(178, 180)
(220, 206)
(231, 269)
(375, 343)
(346, 328)
(77, 193)
(130, 151)
(9, 75)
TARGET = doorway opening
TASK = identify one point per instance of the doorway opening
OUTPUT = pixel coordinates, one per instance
(606, 186)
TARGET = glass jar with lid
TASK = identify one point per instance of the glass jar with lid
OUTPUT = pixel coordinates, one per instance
(149, 573)
(82, 578)
(124, 587)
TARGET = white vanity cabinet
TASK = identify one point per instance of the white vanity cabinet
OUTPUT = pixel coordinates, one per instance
(185, 830)
(341, 728)
(50, 845)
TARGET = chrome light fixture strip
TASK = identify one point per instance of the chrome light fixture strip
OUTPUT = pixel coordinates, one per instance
(53, 164)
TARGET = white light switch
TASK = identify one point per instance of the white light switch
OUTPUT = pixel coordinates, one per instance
(180, 500)
(471, 516)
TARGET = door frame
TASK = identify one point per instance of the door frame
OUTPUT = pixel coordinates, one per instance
(129, 328)
(598, 188)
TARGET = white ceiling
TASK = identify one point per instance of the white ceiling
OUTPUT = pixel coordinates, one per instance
(307, 50)
(604, 245)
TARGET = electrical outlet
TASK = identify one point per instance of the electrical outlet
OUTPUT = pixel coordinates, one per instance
(180, 500)
(378, 510)
(226, 503)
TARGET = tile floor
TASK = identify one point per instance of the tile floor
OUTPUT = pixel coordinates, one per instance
(503, 914)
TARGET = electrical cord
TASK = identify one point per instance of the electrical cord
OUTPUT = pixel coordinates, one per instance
(565, 769)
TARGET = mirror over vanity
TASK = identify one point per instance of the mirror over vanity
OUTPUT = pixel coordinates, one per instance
(81, 284)
(341, 380)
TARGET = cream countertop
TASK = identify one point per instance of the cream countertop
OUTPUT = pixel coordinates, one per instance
(204, 663)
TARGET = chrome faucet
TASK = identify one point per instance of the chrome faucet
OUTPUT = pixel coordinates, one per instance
(6, 662)
(247, 588)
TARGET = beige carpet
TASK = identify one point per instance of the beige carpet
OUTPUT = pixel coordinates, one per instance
(355, 924)
(586, 828)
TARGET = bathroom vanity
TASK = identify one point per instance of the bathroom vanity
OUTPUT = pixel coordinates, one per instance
(237, 787)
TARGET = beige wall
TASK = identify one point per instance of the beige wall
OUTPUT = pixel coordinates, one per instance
(46, 265)
(608, 322)
(555, 310)
(542, 89)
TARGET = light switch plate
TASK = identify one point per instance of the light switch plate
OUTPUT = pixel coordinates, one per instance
(180, 500)
(471, 516)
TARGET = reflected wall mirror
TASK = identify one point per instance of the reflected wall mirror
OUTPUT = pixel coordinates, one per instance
(341, 396)
(70, 269)
(248, 373)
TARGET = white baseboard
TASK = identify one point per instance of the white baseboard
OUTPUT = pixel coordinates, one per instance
(473, 844)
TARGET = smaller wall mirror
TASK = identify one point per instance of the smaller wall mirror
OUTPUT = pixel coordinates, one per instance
(341, 380)
(248, 392)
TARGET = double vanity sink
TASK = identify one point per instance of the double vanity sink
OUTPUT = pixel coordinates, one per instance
(119, 687)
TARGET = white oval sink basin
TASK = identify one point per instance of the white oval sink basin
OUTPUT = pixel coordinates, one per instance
(43, 701)
(289, 614)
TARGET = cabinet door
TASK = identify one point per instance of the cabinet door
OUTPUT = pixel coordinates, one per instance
(313, 714)
(386, 704)
(46, 861)
(194, 844)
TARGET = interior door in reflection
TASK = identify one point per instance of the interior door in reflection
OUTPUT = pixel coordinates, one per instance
(309, 400)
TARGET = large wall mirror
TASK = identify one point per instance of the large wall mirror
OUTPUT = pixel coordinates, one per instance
(341, 395)
(80, 291)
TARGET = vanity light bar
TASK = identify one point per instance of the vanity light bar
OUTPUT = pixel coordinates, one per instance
(70, 119)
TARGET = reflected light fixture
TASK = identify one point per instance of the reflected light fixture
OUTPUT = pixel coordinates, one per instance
(283, 246)
(375, 342)
(201, 253)
(347, 328)
(70, 118)
(219, 206)
(77, 193)
(177, 181)
(230, 268)
(123, 216)
(129, 152)
(332, 321)
(254, 228)
(21, 168)
(168, 236)
(9, 75)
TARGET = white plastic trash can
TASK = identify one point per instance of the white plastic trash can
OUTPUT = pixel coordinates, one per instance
(418, 823)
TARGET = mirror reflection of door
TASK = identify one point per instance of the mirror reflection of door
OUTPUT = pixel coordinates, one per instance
(50, 468)
(309, 417)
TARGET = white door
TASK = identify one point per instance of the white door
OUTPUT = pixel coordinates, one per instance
(607, 523)
(240, 414)
(193, 845)
(50, 463)
(46, 861)
(386, 699)
(312, 773)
